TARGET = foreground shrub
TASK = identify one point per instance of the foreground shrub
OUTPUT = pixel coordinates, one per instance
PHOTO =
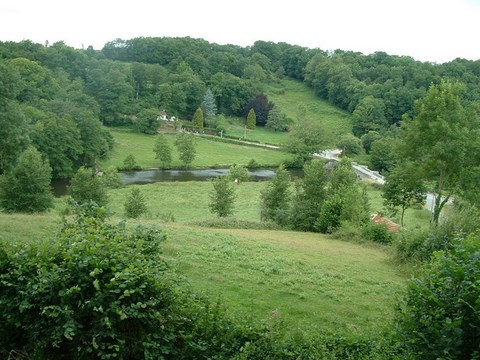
(440, 315)
(97, 291)
(377, 232)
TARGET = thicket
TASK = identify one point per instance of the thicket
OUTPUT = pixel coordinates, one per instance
(439, 316)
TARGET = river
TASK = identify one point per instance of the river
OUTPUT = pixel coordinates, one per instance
(158, 175)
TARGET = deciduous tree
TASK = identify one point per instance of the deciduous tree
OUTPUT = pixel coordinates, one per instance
(222, 197)
(441, 141)
(185, 143)
(309, 197)
(27, 187)
(306, 139)
(275, 198)
(404, 188)
(163, 151)
(86, 187)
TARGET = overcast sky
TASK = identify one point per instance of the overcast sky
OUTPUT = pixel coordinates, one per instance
(428, 30)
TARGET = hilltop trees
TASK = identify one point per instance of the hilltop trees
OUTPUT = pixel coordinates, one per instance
(26, 188)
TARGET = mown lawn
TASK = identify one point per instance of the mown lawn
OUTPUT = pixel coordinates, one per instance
(209, 153)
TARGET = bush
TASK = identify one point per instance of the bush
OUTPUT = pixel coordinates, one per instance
(130, 164)
(377, 232)
(112, 179)
(439, 316)
(86, 186)
(238, 172)
(97, 291)
(135, 205)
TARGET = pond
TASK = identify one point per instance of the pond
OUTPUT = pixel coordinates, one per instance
(157, 175)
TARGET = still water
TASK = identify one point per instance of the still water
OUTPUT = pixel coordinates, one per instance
(157, 175)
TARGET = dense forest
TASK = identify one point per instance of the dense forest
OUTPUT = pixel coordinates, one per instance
(56, 97)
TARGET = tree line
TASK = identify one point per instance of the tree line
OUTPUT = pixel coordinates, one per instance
(56, 91)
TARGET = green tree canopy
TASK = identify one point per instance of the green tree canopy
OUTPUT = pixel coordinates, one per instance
(275, 197)
(306, 139)
(147, 122)
(438, 317)
(309, 197)
(277, 120)
(163, 151)
(222, 197)
(251, 119)
(404, 188)
(27, 187)
(441, 141)
(86, 187)
(185, 143)
(135, 205)
(198, 118)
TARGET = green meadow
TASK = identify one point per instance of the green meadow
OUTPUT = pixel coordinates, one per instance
(313, 282)
(209, 153)
(291, 96)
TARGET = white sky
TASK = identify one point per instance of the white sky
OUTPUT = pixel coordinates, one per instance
(428, 30)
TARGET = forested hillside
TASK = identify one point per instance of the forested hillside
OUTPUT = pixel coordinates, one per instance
(58, 92)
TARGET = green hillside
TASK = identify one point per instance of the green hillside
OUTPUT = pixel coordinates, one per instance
(290, 96)
(311, 281)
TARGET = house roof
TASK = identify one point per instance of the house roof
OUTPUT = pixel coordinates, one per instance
(379, 219)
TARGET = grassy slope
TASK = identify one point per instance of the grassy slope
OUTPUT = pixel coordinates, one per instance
(209, 153)
(311, 280)
(289, 95)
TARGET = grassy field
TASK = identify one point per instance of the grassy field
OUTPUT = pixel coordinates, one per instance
(289, 95)
(209, 153)
(313, 282)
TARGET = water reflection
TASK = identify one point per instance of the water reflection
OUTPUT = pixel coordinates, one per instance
(59, 187)
(156, 175)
